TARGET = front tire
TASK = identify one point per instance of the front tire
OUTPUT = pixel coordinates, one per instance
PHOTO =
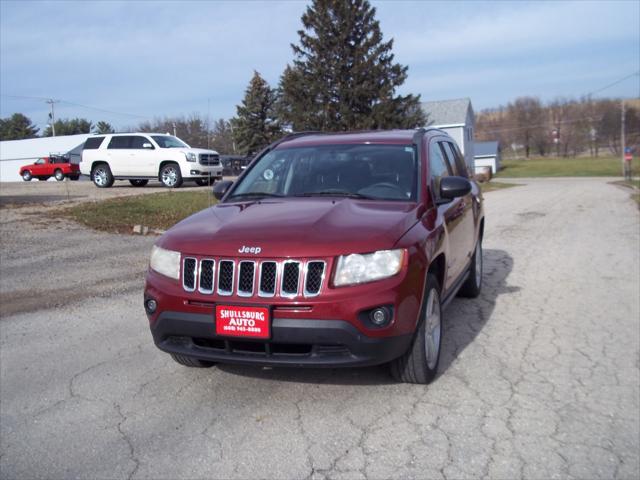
(170, 175)
(191, 362)
(101, 176)
(419, 364)
(472, 286)
(26, 176)
(59, 176)
(138, 183)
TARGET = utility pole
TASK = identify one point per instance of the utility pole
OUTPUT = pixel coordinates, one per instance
(52, 115)
(174, 129)
(622, 142)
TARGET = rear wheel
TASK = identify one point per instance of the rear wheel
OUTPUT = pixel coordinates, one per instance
(420, 363)
(138, 183)
(472, 286)
(170, 175)
(26, 176)
(191, 362)
(101, 176)
(59, 176)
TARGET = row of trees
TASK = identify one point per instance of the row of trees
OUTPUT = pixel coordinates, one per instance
(19, 127)
(562, 127)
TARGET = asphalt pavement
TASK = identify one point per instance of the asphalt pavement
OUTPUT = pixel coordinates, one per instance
(540, 376)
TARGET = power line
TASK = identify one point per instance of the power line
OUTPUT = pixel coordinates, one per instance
(613, 84)
(77, 105)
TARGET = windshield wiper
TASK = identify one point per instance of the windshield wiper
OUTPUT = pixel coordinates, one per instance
(254, 195)
(334, 193)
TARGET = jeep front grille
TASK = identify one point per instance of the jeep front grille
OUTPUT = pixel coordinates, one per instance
(248, 278)
(209, 159)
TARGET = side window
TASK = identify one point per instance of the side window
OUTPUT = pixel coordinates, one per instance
(122, 141)
(137, 142)
(456, 158)
(438, 166)
(40, 161)
(93, 143)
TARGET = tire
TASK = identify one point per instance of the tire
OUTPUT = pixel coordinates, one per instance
(138, 183)
(170, 175)
(472, 286)
(419, 364)
(191, 362)
(101, 175)
(204, 182)
(26, 176)
(59, 176)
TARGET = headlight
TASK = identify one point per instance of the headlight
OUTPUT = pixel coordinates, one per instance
(357, 268)
(191, 157)
(165, 262)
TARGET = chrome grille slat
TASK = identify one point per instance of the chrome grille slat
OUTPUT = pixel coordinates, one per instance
(206, 275)
(313, 278)
(189, 274)
(267, 279)
(226, 271)
(290, 279)
(246, 278)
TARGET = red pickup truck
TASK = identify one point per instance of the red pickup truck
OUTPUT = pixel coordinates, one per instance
(56, 166)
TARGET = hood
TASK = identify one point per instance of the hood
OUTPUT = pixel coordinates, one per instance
(300, 227)
(200, 150)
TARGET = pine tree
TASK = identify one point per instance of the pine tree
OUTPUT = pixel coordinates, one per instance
(104, 127)
(344, 76)
(17, 127)
(255, 125)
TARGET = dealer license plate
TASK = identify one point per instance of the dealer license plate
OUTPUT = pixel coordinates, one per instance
(240, 321)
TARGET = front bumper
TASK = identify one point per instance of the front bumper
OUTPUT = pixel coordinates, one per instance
(195, 170)
(294, 342)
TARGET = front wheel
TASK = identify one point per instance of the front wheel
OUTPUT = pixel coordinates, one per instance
(59, 176)
(170, 175)
(204, 182)
(472, 286)
(191, 362)
(101, 176)
(419, 364)
(26, 176)
(138, 183)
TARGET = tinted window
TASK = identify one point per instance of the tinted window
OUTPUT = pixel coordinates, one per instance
(385, 172)
(120, 142)
(438, 165)
(167, 141)
(93, 142)
(138, 142)
(455, 159)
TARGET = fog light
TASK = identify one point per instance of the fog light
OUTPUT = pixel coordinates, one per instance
(195, 172)
(379, 316)
(150, 305)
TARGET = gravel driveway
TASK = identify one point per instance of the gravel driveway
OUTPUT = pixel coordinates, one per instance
(540, 376)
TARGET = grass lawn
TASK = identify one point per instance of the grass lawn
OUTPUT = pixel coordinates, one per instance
(565, 167)
(156, 210)
(491, 186)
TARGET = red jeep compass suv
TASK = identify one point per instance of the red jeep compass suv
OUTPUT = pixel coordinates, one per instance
(330, 250)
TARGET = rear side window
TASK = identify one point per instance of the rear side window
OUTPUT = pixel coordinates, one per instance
(138, 142)
(123, 141)
(93, 143)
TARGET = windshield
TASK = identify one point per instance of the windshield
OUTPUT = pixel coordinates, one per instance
(380, 172)
(167, 141)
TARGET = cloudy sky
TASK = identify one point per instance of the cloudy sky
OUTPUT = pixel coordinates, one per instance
(131, 61)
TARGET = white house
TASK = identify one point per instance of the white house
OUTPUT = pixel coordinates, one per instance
(455, 117)
(15, 153)
(487, 154)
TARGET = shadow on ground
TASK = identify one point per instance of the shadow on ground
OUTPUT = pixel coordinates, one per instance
(464, 320)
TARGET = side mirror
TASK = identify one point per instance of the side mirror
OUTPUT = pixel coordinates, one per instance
(220, 188)
(147, 145)
(454, 187)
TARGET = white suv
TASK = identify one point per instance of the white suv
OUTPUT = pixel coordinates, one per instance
(140, 157)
